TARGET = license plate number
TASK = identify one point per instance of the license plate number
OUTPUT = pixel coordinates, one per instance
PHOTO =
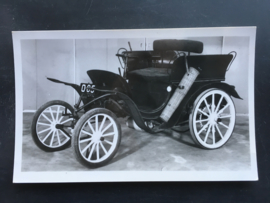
(86, 87)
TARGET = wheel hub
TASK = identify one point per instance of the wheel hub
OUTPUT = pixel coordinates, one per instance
(58, 126)
(53, 126)
(97, 137)
(213, 117)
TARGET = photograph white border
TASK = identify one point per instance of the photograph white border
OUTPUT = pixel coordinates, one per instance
(124, 176)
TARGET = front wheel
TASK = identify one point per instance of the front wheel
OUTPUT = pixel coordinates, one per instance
(51, 126)
(96, 137)
(212, 119)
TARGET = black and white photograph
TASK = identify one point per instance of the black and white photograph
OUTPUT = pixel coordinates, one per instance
(135, 105)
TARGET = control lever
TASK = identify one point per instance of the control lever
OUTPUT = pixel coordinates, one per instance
(119, 71)
(129, 46)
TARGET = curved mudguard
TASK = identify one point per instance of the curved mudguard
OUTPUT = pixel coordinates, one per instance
(193, 93)
(111, 80)
(229, 89)
(101, 78)
(76, 87)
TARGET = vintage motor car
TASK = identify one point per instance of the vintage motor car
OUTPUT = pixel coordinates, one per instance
(172, 87)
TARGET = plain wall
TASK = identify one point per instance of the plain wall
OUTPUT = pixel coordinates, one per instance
(55, 59)
(237, 74)
(29, 74)
(68, 60)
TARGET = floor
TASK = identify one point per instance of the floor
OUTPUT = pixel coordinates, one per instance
(141, 151)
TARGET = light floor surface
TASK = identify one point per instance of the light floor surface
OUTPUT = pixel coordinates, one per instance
(141, 151)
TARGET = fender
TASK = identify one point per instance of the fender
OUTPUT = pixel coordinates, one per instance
(109, 79)
(229, 89)
(193, 93)
(76, 87)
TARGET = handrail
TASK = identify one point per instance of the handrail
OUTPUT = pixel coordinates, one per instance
(235, 54)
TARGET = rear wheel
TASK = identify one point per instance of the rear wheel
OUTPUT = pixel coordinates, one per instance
(212, 119)
(96, 138)
(50, 126)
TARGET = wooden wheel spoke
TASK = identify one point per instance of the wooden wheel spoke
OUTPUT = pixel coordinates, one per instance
(87, 146)
(110, 143)
(207, 105)
(213, 102)
(108, 134)
(102, 146)
(91, 127)
(46, 117)
(58, 138)
(220, 111)
(220, 123)
(219, 102)
(97, 150)
(92, 150)
(46, 124)
(96, 123)
(61, 118)
(227, 116)
(219, 131)
(213, 133)
(87, 133)
(86, 140)
(203, 112)
(207, 134)
(51, 113)
(202, 120)
(52, 138)
(64, 134)
(45, 130)
(107, 127)
(57, 112)
(70, 119)
(102, 123)
(45, 138)
(203, 128)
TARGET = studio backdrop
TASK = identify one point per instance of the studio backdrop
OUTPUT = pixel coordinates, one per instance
(69, 59)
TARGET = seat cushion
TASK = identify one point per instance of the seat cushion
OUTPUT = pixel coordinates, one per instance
(151, 74)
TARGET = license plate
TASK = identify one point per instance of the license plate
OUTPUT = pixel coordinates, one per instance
(86, 87)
